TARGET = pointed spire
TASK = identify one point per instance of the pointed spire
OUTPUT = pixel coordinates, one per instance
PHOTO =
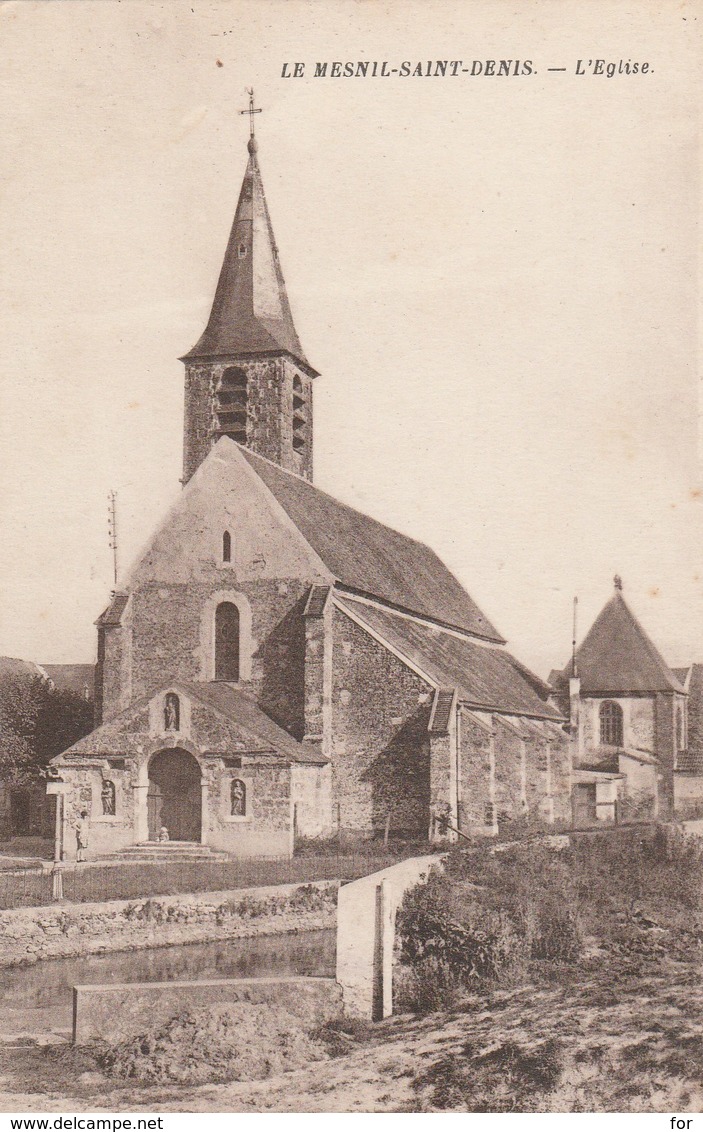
(250, 312)
(618, 657)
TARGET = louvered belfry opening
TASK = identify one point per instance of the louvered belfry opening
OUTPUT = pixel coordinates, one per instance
(232, 404)
(299, 416)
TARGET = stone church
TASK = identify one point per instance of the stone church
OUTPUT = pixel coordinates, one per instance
(633, 723)
(279, 665)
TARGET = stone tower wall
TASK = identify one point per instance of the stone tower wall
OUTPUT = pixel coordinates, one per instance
(269, 429)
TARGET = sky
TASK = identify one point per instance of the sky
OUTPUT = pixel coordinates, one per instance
(497, 278)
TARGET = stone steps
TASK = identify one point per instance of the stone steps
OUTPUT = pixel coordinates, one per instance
(166, 852)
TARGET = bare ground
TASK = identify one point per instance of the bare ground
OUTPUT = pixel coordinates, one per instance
(614, 1037)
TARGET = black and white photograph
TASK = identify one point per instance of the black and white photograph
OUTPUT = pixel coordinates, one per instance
(351, 559)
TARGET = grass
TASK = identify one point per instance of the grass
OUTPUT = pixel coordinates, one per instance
(95, 882)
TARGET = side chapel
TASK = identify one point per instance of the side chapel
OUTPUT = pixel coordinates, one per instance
(279, 665)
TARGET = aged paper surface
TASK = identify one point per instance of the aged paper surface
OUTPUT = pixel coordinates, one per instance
(488, 223)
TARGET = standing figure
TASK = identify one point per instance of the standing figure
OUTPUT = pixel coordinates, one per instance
(238, 798)
(107, 796)
(172, 712)
(82, 828)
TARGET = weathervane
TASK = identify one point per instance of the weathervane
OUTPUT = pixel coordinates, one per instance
(251, 110)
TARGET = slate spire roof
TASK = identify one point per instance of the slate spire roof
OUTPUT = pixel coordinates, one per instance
(250, 312)
(617, 656)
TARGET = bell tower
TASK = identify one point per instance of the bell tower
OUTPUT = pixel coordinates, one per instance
(247, 377)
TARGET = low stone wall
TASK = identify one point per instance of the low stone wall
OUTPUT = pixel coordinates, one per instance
(366, 912)
(122, 1010)
(72, 930)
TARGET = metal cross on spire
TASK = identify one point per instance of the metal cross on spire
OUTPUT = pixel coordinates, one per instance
(251, 110)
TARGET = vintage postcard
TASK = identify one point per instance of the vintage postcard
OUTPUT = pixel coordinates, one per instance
(351, 629)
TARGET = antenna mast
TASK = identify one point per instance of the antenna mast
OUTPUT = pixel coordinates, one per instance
(574, 672)
(112, 531)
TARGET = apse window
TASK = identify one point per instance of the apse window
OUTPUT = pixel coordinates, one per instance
(611, 728)
(227, 642)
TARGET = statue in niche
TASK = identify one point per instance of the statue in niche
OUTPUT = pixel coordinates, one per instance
(172, 711)
(238, 793)
(107, 796)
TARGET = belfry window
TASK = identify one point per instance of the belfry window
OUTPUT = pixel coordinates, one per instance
(226, 547)
(232, 403)
(299, 416)
(227, 642)
(611, 730)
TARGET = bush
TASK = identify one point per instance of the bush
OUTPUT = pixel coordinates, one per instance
(494, 911)
(240, 1042)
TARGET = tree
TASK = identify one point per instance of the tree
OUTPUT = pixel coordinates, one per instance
(37, 722)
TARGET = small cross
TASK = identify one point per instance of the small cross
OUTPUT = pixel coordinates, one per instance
(251, 111)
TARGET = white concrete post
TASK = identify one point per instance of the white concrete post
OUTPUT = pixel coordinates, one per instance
(366, 914)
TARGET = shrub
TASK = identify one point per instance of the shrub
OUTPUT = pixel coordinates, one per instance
(241, 1042)
(507, 1078)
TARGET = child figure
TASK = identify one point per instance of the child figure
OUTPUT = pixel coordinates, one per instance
(163, 833)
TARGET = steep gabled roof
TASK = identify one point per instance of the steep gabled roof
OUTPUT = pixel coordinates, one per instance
(617, 656)
(370, 558)
(229, 702)
(250, 312)
(484, 677)
(242, 708)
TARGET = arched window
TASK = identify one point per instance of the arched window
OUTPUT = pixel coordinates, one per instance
(232, 401)
(299, 418)
(172, 712)
(226, 547)
(238, 798)
(227, 641)
(611, 724)
(107, 797)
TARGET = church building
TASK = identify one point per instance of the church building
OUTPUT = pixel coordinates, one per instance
(279, 665)
(629, 716)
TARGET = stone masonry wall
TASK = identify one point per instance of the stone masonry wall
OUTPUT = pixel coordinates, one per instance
(638, 722)
(509, 750)
(311, 795)
(475, 760)
(380, 743)
(167, 640)
(664, 731)
(64, 931)
(269, 411)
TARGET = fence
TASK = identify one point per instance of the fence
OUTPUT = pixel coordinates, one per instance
(32, 886)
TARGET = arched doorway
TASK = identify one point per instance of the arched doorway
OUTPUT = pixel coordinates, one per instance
(174, 797)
